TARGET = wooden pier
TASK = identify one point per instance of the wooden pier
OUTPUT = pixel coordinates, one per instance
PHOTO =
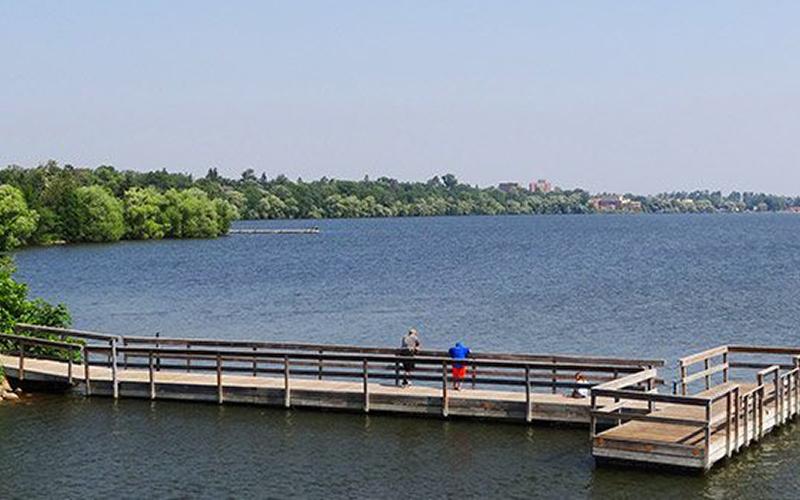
(742, 393)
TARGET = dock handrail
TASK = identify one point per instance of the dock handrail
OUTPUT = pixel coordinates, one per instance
(561, 368)
(331, 362)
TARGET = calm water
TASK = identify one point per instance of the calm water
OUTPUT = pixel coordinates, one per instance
(648, 286)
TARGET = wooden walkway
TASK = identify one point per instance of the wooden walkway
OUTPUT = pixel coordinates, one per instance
(309, 393)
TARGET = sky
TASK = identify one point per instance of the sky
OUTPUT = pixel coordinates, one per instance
(618, 96)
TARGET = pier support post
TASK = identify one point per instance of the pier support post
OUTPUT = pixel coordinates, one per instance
(287, 391)
(22, 360)
(445, 402)
(707, 434)
(738, 402)
(114, 372)
(219, 379)
(151, 373)
(366, 386)
(728, 423)
(86, 375)
(528, 414)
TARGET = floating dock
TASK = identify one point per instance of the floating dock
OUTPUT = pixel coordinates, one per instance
(630, 422)
(306, 230)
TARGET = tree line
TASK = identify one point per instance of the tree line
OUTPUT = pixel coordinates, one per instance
(52, 203)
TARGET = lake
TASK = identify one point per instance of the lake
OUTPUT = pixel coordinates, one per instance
(652, 286)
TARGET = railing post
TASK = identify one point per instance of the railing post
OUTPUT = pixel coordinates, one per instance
(21, 360)
(592, 417)
(683, 378)
(725, 371)
(707, 378)
(319, 365)
(474, 373)
(151, 373)
(445, 402)
(255, 361)
(188, 358)
(528, 412)
(158, 358)
(287, 391)
(396, 374)
(746, 428)
(114, 374)
(69, 367)
(555, 376)
(219, 379)
(125, 356)
(366, 386)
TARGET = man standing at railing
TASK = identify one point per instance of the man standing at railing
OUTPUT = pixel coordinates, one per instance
(459, 353)
(409, 346)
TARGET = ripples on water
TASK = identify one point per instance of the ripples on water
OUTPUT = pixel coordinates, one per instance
(653, 285)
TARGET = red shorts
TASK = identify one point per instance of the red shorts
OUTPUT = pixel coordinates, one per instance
(459, 373)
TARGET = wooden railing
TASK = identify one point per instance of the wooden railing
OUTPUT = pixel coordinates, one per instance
(332, 362)
(548, 371)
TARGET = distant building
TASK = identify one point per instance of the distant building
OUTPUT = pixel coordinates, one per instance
(540, 186)
(606, 203)
(615, 203)
(508, 187)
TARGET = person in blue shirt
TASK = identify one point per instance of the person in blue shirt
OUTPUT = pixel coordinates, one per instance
(459, 353)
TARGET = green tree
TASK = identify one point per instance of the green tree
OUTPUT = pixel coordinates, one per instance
(145, 217)
(191, 214)
(94, 215)
(17, 221)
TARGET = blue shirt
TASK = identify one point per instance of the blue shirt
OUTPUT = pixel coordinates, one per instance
(459, 352)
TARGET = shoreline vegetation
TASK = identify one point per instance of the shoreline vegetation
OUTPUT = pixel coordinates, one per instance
(17, 307)
(51, 204)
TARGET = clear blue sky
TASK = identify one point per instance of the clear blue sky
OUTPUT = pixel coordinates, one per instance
(607, 95)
